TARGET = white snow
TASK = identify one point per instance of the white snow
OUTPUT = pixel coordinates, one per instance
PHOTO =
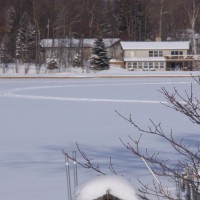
(114, 71)
(41, 116)
(115, 185)
(154, 45)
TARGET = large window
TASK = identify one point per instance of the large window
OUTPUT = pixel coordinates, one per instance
(129, 65)
(155, 53)
(151, 54)
(146, 66)
(140, 65)
(160, 53)
(134, 65)
(156, 65)
(150, 65)
(162, 65)
(176, 52)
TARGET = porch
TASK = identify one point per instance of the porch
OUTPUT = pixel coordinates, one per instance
(182, 62)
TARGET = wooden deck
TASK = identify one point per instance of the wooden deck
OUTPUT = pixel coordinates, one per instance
(182, 58)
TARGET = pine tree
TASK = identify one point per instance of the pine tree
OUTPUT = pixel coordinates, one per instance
(21, 47)
(31, 42)
(7, 43)
(99, 59)
(77, 58)
(26, 40)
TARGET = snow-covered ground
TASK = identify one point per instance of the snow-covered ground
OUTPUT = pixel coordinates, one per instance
(114, 70)
(40, 117)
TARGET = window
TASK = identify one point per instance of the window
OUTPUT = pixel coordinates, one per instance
(140, 65)
(156, 65)
(176, 52)
(155, 53)
(146, 65)
(160, 54)
(129, 64)
(162, 65)
(151, 54)
(150, 65)
(134, 65)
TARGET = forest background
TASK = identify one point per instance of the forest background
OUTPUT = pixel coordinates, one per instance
(23, 23)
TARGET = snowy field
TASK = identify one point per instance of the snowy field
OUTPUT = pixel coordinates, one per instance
(39, 117)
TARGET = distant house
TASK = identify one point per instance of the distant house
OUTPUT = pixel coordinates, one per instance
(152, 56)
(65, 49)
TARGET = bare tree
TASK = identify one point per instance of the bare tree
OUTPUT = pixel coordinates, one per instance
(192, 9)
(37, 38)
(160, 20)
(185, 172)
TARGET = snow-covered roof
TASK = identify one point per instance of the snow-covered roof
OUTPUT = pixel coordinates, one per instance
(155, 45)
(116, 186)
(145, 59)
(76, 42)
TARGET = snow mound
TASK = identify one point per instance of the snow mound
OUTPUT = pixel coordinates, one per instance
(116, 186)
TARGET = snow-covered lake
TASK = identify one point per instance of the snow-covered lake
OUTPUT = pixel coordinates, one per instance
(39, 117)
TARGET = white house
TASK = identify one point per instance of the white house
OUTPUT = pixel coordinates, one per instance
(157, 55)
(65, 49)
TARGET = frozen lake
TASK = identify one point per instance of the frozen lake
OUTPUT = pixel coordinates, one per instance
(39, 117)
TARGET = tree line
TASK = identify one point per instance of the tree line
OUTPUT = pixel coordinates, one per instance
(23, 23)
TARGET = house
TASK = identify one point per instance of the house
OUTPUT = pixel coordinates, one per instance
(64, 50)
(152, 56)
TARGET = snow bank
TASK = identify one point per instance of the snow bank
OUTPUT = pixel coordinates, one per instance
(115, 185)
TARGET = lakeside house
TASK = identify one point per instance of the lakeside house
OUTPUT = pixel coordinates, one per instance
(157, 55)
(134, 56)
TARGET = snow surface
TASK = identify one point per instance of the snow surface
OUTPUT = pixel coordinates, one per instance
(114, 71)
(115, 185)
(41, 116)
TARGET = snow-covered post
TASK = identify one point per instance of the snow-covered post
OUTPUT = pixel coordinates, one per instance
(68, 177)
(75, 170)
(178, 187)
(191, 192)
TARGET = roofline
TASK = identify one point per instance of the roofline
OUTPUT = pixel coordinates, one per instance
(42, 42)
(154, 48)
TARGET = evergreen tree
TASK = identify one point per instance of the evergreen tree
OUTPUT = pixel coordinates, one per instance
(31, 42)
(7, 43)
(99, 59)
(21, 42)
(77, 58)
(26, 40)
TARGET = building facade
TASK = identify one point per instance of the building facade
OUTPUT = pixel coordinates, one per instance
(153, 56)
